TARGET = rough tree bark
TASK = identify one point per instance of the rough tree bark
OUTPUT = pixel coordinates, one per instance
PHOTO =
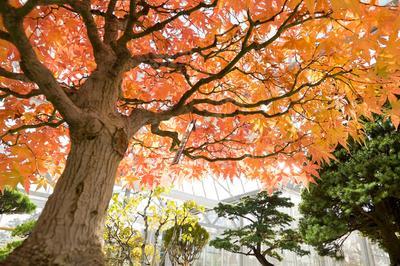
(78, 204)
(69, 229)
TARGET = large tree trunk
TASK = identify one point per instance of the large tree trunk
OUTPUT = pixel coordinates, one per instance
(69, 229)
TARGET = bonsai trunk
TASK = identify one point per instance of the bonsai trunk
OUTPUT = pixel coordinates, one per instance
(262, 259)
(394, 259)
(69, 229)
(391, 243)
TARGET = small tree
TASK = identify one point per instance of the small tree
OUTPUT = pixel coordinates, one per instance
(125, 243)
(14, 202)
(360, 191)
(185, 242)
(265, 230)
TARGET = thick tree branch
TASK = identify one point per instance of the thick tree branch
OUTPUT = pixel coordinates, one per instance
(34, 69)
(9, 92)
(34, 126)
(191, 106)
(165, 133)
(100, 50)
(11, 75)
(265, 102)
(111, 23)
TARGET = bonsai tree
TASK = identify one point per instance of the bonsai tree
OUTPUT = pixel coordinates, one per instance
(265, 229)
(360, 191)
(125, 244)
(14, 202)
(185, 242)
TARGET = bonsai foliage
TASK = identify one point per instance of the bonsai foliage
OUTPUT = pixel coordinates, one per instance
(135, 224)
(8, 248)
(264, 230)
(19, 233)
(261, 83)
(185, 242)
(358, 192)
(14, 202)
(23, 230)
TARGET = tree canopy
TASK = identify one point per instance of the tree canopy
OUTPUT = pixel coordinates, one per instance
(263, 230)
(358, 192)
(265, 82)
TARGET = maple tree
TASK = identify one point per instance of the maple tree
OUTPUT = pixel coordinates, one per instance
(268, 87)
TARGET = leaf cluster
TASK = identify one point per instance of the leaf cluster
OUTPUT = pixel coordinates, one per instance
(14, 202)
(218, 61)
(24, 229)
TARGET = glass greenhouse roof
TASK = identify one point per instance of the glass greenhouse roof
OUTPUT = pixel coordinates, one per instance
(218, 189)
(207, 191)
